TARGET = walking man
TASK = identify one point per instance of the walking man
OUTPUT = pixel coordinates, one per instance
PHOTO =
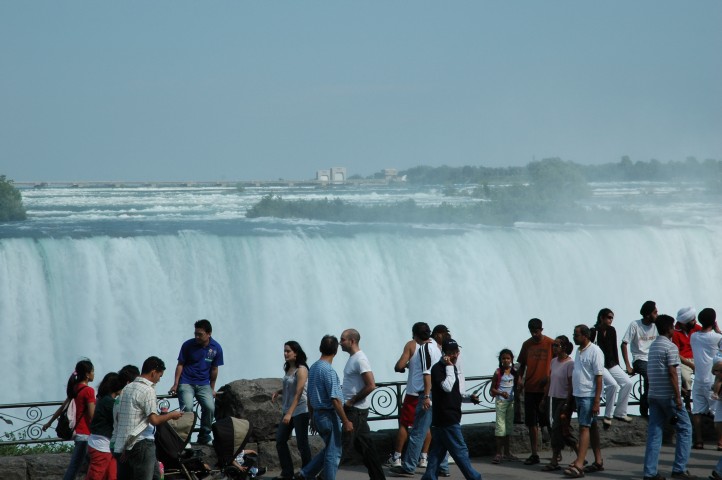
(535, 359)
(446, 433)
(587, 390)
(425, 357)
(358, 383)
(639, 336)
(706, 344)
(665, 403)
(420, 334)
(135, 426)
(196, 374)
(325, 403)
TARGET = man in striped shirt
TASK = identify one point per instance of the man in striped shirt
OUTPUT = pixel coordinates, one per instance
(325, 403)
(665, 403)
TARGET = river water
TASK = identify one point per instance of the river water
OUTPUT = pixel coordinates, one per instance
(118, 274)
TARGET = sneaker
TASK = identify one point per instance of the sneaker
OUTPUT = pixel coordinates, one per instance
(625, 418)
(683, 475)
(423, 462)
(204, 441)
(441, 473)
(532, 460)
(656, 477)
(393, 462)
(607, 422)
(450, 460)
(400, 472)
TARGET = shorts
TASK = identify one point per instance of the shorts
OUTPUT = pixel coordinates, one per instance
(504, 418)
(532, 414)
(686, 377)
(584, 411)
(408, 410)
(702, 402)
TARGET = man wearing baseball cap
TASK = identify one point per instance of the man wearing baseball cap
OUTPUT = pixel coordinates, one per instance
(446, 433)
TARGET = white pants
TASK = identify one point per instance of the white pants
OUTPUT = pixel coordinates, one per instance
(616, 381)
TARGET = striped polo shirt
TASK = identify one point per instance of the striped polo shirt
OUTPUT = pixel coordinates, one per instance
(323, 385)
(662, 354)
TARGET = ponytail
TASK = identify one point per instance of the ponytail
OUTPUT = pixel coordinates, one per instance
(82, 370)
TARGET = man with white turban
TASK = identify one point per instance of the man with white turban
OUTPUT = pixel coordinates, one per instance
(684, 328)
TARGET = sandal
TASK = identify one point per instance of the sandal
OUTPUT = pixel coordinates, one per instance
(550, 467)
(572, 471)
(497, 459)
(532, 460)
(594, 467)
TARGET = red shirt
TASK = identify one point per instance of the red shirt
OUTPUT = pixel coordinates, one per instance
(681, 339)
(83, 398)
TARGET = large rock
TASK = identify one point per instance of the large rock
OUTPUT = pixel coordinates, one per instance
(13, 468)
(251, 399)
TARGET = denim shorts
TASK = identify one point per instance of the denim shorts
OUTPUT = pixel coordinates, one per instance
(584, 411)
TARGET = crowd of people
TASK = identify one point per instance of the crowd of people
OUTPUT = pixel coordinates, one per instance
(679, 363)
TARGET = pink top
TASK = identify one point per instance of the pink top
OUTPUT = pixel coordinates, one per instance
(560, 378)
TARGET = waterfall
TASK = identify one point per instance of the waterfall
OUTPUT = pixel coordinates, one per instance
(119, 300)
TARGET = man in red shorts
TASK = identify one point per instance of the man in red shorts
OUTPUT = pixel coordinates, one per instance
(421, 334)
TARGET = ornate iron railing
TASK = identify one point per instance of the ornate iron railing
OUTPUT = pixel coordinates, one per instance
(21, 423)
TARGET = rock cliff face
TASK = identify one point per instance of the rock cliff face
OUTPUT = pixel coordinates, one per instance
(251, 399)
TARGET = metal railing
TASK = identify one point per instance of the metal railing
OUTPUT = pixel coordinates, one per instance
(21, 423)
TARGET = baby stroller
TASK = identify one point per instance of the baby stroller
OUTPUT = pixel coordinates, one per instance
(230, 435)
(171, 439)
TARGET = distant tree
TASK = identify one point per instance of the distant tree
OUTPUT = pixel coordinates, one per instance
(554, 179)
(11, 202)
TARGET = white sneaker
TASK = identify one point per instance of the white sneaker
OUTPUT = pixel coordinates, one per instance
(625, 418)
(423, 462)
(393, 462)
(450, 459)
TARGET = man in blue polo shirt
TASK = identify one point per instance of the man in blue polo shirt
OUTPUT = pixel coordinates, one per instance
(195, 376)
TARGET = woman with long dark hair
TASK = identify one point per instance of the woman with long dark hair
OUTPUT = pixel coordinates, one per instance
(102, 463)
(616, 381)
(295, 409)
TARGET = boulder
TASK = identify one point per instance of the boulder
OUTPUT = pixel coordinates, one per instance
(251, 399)
(13, 468)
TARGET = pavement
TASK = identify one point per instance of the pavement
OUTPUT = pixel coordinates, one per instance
(620, 463)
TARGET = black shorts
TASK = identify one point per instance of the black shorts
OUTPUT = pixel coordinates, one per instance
(533, 413)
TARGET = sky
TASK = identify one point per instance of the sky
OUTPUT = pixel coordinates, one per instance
(243, 90)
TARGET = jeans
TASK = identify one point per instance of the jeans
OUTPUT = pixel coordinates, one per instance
(328, 426)
(299, 423)
(449, 439)
(640, 367)
(204, 394)
(360, 440)
(661, 410)
(140, 462)
(616, 381)
(80, 449)
(417, 434)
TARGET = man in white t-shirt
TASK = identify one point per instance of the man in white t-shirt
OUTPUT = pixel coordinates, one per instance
(587, 392)
(705, 345)
(358, 383)
(639, 336)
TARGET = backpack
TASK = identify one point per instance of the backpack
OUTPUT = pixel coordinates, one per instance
(66, 423)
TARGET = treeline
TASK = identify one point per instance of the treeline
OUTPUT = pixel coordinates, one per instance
(551, 193)
(11, 202)
(691, 169)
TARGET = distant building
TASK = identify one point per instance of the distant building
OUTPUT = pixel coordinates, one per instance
(332, 175)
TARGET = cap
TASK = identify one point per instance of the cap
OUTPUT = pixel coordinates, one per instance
(450, 345)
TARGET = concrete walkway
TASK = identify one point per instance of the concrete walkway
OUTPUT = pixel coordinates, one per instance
(620, 463)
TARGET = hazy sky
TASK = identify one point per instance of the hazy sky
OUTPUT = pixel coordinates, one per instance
(210, 90)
